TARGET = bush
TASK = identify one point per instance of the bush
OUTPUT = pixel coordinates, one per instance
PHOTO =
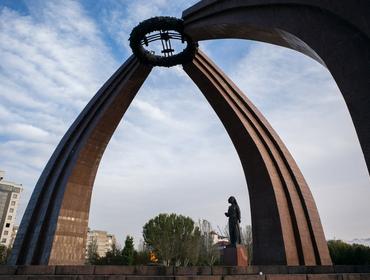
(346, 254)
(4, 254)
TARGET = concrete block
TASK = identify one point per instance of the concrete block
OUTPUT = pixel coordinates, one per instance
(75, 269)
(351, 276)
(299, 269)
(352, 268)
(35, 270)
(344, 268)
(13, 277)
(286, 277)
(52, 277)
(272, 269)
(116, 277)
(193, 270)
(236, 256)
(362, 268)
(230, 270)
(101, 277)
(199, 277)
(217, 270)
(253, 269)
(244, 277)
(150, 278)
(7, 269)
(115, 269)
(323, 277)
(317, 269)
(355, 276)
(155, 270)
(95, 277)
(236, 270)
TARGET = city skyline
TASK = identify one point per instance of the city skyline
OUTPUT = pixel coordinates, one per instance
(57, 55)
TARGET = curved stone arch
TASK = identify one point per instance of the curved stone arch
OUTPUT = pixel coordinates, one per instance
(54, 226)
(335, 33)
(286, 225)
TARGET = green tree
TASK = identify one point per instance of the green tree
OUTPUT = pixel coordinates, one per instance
(128, 252)
(208, 252)
(112, 257)
(92, 252)
(172, 238)
(4, 253)
(142, 255)
(190, 249)
(246, 239)
(346, 254)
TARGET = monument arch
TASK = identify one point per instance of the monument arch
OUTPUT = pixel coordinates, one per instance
(285, 221)
(335, 33)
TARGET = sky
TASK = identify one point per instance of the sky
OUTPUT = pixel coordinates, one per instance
(170, 153)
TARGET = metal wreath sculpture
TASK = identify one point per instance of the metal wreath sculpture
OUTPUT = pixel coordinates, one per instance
(168, 28)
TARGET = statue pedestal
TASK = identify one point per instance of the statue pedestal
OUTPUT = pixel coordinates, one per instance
(235, 256)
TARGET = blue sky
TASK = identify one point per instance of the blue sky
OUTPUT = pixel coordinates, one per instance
(170, 153)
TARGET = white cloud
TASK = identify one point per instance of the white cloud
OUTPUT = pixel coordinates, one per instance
(120, 17)
(150, 111)
(25, 131)
(52, 62)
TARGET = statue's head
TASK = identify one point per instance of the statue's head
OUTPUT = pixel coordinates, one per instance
(231, 200)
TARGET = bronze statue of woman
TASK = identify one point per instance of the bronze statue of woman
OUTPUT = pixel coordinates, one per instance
(234, 219)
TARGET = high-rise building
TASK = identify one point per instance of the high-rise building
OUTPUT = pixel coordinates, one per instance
(14, 234)
(103, 240)
(9, 200)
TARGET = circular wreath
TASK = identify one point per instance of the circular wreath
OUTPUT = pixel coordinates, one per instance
(161, 24)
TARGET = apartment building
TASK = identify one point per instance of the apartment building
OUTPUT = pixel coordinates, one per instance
(9, 201)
